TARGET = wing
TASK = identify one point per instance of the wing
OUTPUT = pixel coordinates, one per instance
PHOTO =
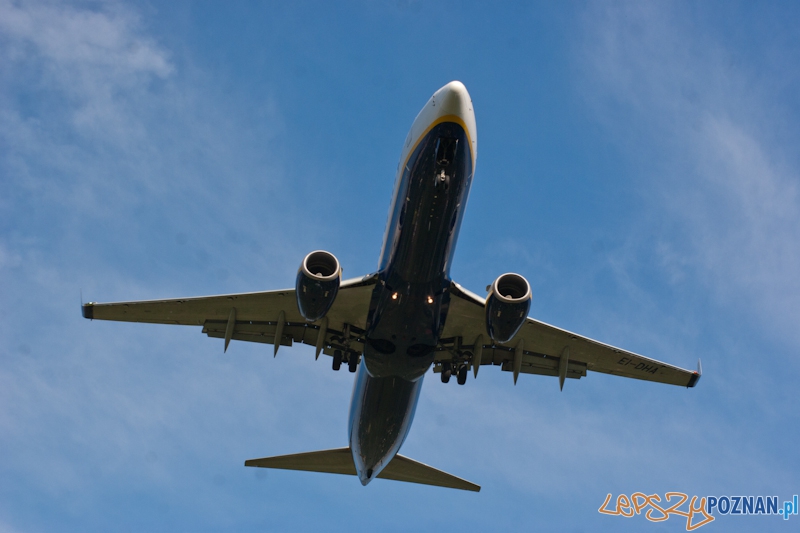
(540, 348)
(256, 316)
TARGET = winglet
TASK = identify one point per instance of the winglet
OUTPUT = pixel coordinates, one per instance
(696, 376)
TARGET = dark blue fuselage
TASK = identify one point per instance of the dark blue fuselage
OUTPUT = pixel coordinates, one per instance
(409, 304)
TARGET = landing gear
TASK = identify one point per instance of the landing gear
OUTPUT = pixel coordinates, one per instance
(447, 371)
(458, 363)
(337, 359)
(352, 363)
(460, 371)
(462, 374)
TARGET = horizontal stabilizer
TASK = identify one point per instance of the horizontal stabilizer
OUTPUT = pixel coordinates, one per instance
(336, 461)
(404, 469)
(340, 461)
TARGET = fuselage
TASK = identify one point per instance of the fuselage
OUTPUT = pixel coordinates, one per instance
(409, 304)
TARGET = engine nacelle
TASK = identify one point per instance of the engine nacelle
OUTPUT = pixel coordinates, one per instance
(317, 284)
(507, 307)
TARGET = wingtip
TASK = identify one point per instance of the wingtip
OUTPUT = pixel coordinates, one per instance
(87, 310)
(696, 375)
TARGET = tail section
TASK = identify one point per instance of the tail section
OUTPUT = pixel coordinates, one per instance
(336, 461)
(340, 461)
(404, 469)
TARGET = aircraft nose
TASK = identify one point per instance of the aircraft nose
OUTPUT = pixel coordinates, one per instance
(453, 99)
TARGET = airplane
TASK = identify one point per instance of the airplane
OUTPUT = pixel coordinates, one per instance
(393, 325)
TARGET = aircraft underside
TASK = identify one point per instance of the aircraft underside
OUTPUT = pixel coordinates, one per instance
(409, 304)
(393, 325)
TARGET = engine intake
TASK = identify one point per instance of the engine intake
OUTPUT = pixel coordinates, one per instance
(507, 306)
(317, 284)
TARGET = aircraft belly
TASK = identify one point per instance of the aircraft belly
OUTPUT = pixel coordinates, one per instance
(381, 414)
(409, 305)
(426, 228)
(405, 331)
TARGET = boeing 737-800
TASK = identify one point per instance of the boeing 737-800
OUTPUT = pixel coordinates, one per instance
(392, 326)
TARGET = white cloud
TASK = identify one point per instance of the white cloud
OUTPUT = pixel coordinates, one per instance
(110, 153)
(93, 57)
(705, 130)
(71, 37)
(100, 127)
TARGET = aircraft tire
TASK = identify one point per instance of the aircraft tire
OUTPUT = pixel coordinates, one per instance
(447, 371)
(337, 359)
(462, 374)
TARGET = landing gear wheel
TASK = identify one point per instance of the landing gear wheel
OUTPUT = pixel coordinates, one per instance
(447, 371)
(352, 364)
(337, 359)
(462, 374)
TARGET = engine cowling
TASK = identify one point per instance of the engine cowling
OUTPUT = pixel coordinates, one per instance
(507, 306)
(317, 284)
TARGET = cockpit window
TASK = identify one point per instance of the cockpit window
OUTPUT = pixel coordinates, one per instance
(446, 148)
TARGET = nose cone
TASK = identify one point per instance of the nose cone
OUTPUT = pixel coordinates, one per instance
(453, 99)
(451, 103)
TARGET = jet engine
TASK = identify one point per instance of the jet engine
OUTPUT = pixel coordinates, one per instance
(507, 306)
(317, 284)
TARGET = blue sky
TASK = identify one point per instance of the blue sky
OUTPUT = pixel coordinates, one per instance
(637, 163)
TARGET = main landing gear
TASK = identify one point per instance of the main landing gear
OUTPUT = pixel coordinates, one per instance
(462, 374)
(339, 358)
(447, 372)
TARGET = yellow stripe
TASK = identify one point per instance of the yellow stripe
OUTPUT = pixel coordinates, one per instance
(444, 118)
